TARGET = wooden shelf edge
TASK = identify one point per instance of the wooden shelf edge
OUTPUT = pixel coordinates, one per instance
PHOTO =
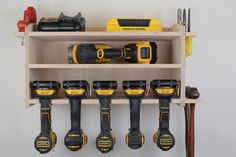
(193, 101)
(115, 101)
(104, 33)
(102, 66)
(96, 101)
(19, 34)
(104, 36)
(191, 34)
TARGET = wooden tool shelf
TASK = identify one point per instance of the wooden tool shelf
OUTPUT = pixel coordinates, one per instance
(114, 101)
(46, 59)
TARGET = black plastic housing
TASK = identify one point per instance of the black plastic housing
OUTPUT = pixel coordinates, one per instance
(134, 84)
(75, 84)
(62, 23)
(46, 85)
(104, 85)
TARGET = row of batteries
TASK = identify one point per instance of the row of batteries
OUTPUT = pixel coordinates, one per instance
(164, 90)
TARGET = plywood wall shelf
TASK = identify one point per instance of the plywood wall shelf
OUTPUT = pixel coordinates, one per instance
(104, 66)
(46, 59)
(105, 36)
(114, 101)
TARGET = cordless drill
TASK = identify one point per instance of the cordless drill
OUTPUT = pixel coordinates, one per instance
(105, 91)
(164, 90)
(135, 91)
(75, 91)
(141, 52)
(45, 91)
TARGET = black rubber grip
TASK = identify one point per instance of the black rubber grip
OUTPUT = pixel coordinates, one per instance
(105, 114)
(45, 115)
(113, 53)
(134, 113)
(164, 114)
(75, 105)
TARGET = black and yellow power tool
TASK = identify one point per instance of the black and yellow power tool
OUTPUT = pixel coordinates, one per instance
(164, 90)
(45, 91)
(105, 90)
(135, 91)
(75, 91)
(141, 52)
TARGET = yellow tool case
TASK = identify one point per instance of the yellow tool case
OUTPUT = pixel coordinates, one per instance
(133, 25)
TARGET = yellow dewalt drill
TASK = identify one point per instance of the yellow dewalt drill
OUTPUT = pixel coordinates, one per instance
(140, 52)
(45, 91)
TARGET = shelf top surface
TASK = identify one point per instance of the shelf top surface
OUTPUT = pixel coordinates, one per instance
(101, 66)
(105, 36)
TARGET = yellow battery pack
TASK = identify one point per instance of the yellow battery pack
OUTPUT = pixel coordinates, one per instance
(133, 25)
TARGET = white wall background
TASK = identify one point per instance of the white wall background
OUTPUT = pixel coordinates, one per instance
(211, 69)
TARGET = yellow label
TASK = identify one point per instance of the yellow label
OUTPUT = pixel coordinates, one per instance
(75, 91)
(100, 53)
(165, 91)
(73, 135)
(105, 92)
(73, 146)
(166, 142)
(104, 143)
(43, 144)
(134, 91)
(45, 92)
(102, 46)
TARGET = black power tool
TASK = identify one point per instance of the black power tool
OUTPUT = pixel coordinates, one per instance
(105, 90)
(164, 90)
(135, 91)
(62, 23)
(45, 91)
(75, 91)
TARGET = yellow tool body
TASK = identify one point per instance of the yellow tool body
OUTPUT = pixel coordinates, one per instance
(140, 52)
(134, 25)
